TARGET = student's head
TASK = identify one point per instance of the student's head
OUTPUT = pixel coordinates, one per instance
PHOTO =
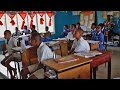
(73, 27)
(25, 27)
(78, 33)
(35, 39)
(77, 25)
(102, 25)
(46, 28)
(93, 26)
(7, 34)
(98, 28)
(33, 27)
(16, 29)
(65, 27)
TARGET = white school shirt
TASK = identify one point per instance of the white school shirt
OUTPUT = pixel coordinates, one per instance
(81, 45)
(10, 45)
(44, 52)
(70, 35)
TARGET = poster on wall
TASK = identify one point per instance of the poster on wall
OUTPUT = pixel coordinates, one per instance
(87, 18)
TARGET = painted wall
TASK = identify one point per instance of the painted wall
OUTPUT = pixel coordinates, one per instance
(62, 18)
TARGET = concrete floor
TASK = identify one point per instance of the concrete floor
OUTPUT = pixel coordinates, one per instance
(102, 70)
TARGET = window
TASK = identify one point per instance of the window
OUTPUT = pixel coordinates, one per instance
(40, 21)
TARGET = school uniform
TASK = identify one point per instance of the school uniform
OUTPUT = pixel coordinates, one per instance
(80, 45)
(100, 37)
(44, 53)
(65, 33)
(18, 33)
(26, 31)
(70, 36)
(9, 45)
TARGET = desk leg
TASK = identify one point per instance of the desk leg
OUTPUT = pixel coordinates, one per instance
(94, 73)
(109, 69)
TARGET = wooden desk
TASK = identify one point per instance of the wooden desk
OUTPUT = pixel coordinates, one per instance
(71, 70)
(98, 60)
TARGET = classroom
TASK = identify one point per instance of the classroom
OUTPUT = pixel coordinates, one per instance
(59, 44)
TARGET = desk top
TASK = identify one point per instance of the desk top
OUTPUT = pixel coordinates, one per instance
(59, 67)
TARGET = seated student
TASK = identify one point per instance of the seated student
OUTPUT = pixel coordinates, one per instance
(72, 31)
(78, 26)
(65, 31)
(43, 52)
(26, 30)
(33, 29)
(9, 41)
(93, 30)
(99, 37)
(17, 32)
(79, 43)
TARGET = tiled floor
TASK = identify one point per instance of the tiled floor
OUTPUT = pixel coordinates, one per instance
(102, 70)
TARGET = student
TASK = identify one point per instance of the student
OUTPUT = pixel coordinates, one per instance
(79, 43)
(93, 30)
(99, 37)
(78, 26)
(33, 29)
(65, 31)
(43, 52)
(103, 30)
(48, 33)
(17, 32)
(26, 30)
(9, 41)
(71, 33)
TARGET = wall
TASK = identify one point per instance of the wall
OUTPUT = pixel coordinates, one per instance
(62, 18)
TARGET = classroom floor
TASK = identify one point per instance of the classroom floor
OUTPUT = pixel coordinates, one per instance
(102, 70)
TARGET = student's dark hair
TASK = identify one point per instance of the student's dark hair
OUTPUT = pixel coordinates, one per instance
(101, 24)
(25, 26)
(46, 27)
(78, 23)
(66, 26)
(74, 25)
(94, 24)
(33, 26)
(35, 35)
(7, 31)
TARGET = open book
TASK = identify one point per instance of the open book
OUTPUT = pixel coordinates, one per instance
(88, 54)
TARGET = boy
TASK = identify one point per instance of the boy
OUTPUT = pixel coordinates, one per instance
(65, 31)
(33, 29)
(99, 37)
(9, 45)
(72, 31)
(78, 26)
(43, 52)
(93, 30)
(79, 43)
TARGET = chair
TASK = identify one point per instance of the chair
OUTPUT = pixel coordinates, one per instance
(29, 56)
